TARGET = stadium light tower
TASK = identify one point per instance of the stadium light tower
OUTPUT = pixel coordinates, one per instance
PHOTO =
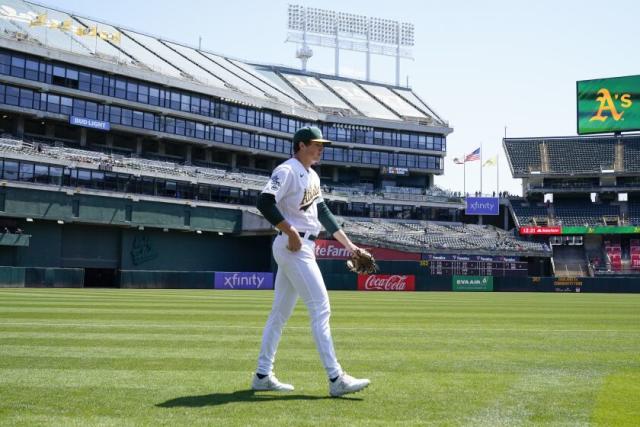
(359, 33)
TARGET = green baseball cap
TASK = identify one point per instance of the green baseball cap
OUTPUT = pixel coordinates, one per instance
(309, 134)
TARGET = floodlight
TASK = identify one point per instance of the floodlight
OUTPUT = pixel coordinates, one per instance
(341, 30)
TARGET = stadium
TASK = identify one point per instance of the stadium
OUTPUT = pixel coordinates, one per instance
(133, 162)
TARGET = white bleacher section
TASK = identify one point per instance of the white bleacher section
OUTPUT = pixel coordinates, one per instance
(73, 157)
(440, 237)
(366, 194)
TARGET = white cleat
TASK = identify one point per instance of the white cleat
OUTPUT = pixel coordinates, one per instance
(346, 384)
(269, 383)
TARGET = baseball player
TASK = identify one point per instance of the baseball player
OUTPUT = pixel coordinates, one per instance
(292, 202)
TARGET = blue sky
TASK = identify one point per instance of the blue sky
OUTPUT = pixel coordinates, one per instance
(481, 65)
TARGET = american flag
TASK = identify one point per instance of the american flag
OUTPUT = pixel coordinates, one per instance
(473, 156)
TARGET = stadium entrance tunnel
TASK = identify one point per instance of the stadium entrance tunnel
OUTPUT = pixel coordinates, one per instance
(101, 278)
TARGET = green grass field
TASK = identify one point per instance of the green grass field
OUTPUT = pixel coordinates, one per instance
(167, 357)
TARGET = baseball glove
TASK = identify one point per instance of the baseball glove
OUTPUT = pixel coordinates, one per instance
(362, 262)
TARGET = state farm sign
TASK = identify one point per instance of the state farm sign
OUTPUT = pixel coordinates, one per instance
(331, 249)
(386, 282)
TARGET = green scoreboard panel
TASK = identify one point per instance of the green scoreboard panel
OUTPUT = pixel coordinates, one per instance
(608, 105)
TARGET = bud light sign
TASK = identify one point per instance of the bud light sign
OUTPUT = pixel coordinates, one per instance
(482, 206)
(89, 123)
(236, 280)
(386, 282)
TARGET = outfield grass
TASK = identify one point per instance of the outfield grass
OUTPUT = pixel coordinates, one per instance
(166, 357)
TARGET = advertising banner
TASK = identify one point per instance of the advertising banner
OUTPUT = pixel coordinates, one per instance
(453, 257)
(89, 123)
(386, 282)
(482, 206)
(567, 284)
(608, 105)
(243, 280)
(534, 229)
(332, 249)
(608, 229)
(472, 283)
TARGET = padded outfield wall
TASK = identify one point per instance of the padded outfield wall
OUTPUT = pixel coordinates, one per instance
(95, 246)
(337, 278)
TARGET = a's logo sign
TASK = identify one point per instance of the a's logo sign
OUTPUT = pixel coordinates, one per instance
(607, 104)
(141, 250)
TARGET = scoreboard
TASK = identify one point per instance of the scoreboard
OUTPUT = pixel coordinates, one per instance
(473, 265)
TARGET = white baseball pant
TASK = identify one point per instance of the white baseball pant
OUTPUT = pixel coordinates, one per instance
(298, 274)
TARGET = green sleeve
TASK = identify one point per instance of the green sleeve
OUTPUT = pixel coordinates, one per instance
(327, 219)
(267, 207)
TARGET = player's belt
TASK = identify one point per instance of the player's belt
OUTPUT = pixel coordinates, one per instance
(303, 235)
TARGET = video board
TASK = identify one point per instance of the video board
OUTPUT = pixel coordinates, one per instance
(608, 105)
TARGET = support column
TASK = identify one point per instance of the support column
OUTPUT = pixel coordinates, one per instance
(83, 137)
(109, 140)
(334, 176)
(139, 145)
(208, 155)
(49, 130)
(252, 162)
(161, 147)
(234, 160)
(20, 127)
(188, 153)
(506, 218)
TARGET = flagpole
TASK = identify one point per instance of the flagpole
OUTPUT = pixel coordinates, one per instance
(498, 173)
(464, 175)
(481, 169)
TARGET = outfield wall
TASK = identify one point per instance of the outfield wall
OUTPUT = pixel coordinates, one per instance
(33, 277)
(21, 277)
(92, 246)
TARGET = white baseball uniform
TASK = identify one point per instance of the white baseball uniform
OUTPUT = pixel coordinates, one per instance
(297, 192)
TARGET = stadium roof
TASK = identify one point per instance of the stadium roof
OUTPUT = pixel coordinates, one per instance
(63, 35)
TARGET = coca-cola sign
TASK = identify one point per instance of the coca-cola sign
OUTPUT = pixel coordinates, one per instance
(386, 282)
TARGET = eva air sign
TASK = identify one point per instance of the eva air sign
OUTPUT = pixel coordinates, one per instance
(472, 283)
(608, 105)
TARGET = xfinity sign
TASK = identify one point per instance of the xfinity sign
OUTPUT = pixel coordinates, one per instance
(482, 206)
(238, 280)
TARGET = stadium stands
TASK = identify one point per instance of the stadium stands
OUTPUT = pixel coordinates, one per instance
(572, 155)
(524, 155)
(634, 249)
(431, 236)
(633, 213)
(583, 213)
(528, 213)
(613, 250)
(632, 153)
(73, 157)
(569, 155)
(569, 261)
